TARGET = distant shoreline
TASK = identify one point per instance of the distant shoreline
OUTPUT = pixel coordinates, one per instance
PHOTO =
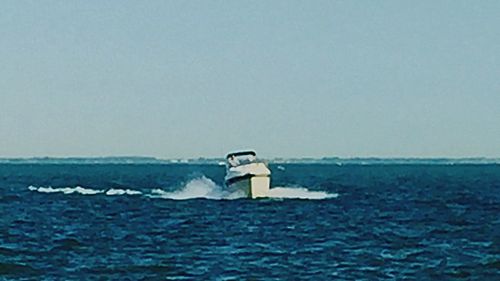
(220, 161)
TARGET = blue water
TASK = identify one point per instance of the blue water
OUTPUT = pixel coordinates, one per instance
(176, 222)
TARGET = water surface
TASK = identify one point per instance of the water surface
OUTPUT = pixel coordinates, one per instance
(323, 222)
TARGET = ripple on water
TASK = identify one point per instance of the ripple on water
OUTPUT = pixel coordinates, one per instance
(16, 269)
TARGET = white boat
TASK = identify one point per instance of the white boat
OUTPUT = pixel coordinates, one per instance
(246, 174)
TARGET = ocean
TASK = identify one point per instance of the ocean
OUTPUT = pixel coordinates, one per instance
(322, 222)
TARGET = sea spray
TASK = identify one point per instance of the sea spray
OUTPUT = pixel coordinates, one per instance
(201, 187)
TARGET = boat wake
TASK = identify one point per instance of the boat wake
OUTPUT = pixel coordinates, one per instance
(201, 187)
(85, 191)
(299, 193)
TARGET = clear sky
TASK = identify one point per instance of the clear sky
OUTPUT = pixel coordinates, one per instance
(287, 78)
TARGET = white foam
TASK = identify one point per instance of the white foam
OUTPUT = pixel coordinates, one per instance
(205, 188)
(202, 187)
(299, 193)
(84, 191)
(113, 191)
(66, 190)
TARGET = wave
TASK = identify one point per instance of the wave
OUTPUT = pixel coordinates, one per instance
(66, 190)
(201, 187)
(123, 192)
(84, 191)
(299, 193)
(204, 187)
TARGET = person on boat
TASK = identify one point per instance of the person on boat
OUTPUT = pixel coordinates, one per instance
(233, 161)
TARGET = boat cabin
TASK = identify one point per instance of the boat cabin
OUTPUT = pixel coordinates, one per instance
(240, 158)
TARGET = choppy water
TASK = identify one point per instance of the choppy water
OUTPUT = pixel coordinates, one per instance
(323, 222)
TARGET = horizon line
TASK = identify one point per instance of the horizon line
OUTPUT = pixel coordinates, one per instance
(222, 157)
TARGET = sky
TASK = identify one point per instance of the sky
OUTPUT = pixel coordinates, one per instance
(184, 79)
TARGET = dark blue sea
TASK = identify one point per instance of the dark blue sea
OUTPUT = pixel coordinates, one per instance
(322, 222)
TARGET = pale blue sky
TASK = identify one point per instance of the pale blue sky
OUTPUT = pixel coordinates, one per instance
(287, 78)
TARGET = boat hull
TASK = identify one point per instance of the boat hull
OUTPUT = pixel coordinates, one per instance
(252, 186)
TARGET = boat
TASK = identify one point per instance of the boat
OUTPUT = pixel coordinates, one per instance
(244, 173)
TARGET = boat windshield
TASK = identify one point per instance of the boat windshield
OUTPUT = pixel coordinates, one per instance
(236, 160)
